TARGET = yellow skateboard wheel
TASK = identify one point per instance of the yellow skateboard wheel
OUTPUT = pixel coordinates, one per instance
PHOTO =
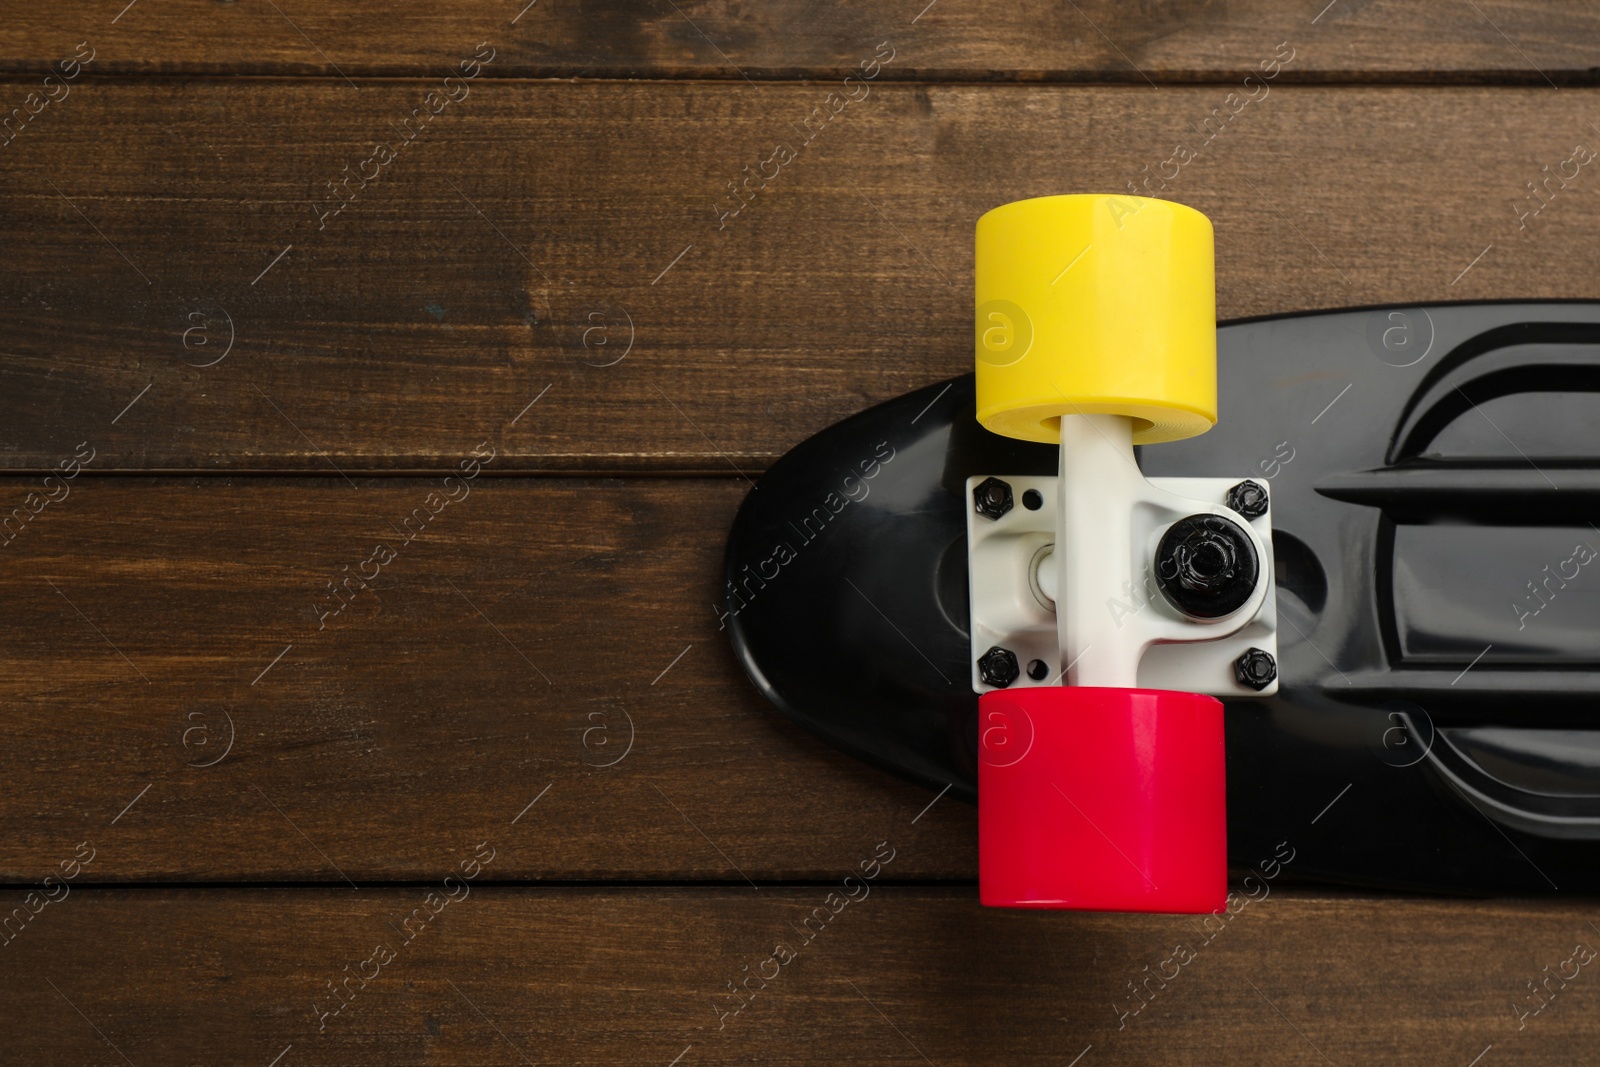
(1096, 305)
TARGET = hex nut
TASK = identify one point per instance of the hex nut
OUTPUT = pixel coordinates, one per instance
(998, 667)
(1255, 669)
(992, 498)
(1249, 499)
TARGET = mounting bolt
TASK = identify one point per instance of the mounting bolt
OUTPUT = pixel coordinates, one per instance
(1255, 669)
(992, 497)
(1248, 499)
(998, 666)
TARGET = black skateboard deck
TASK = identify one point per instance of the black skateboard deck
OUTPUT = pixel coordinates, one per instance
(1435, 478)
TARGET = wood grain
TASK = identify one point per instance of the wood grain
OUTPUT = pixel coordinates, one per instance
(1092, 40)
(606, 976)
(508, 250)
(548, 271)
(505, 650)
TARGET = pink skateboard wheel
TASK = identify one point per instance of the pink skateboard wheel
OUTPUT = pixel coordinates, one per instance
(1101, 800)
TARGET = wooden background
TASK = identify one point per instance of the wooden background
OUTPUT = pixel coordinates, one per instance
(267, 792)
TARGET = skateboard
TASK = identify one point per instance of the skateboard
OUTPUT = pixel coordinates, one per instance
(1353, 620)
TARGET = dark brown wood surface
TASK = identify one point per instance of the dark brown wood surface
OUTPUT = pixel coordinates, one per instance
(1088, 40)
(256, 391)
(900, 975)
(536, 634)
(567, 237)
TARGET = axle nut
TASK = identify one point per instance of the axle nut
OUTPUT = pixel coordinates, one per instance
(1206, 566)
(998, 666)
(1255, 669)
(992, 497)
(1248, 499)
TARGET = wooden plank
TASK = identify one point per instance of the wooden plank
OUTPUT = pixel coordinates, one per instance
(606, 976)
(534, 635)
(1095, 40)
(146, 225)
